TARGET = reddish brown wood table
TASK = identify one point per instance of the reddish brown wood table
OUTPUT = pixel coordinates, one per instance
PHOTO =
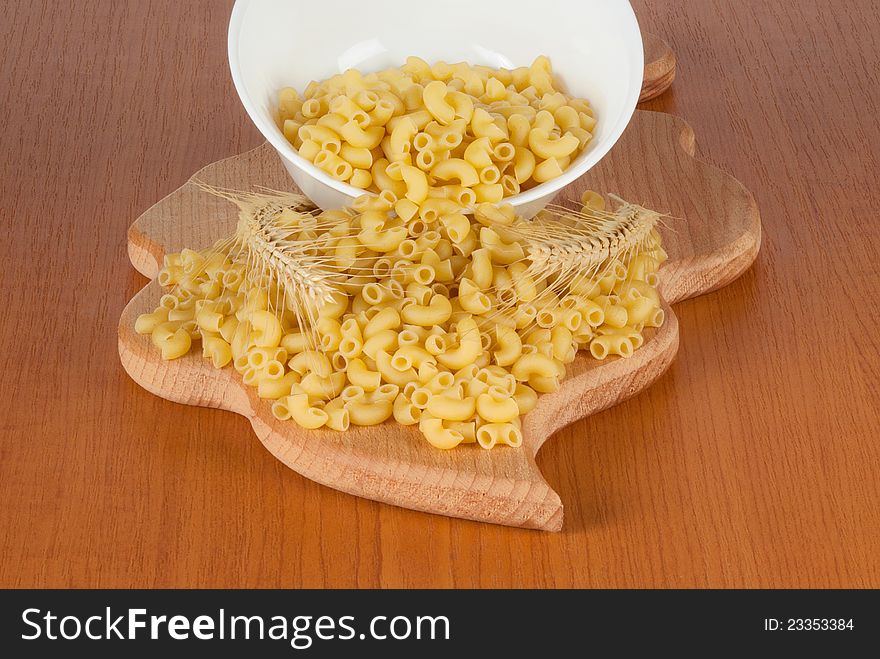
(755, 461)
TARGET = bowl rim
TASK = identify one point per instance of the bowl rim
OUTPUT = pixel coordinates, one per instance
(285, 149)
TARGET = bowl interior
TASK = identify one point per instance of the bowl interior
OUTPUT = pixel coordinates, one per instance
(594, 45)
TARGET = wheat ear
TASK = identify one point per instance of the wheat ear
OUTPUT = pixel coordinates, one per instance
(585, 240)
(293, 271)
(562, 246)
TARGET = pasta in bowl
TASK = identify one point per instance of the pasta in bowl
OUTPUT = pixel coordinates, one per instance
(595, 48)
(471, 134)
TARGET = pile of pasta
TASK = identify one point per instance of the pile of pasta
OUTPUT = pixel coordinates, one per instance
(469, 133)
(450, 321)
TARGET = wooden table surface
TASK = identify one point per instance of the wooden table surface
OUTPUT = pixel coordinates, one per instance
(754, 462)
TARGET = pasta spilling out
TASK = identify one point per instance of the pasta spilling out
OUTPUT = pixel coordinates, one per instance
(469, 133)
(448, 320)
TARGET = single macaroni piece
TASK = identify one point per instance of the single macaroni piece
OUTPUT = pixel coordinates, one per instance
(300, 410)
(451, 408)
(490, 434)
(217, 350)
(369, 413)
(172, 339)
(405, 413)
(497, 406)
(438, 436)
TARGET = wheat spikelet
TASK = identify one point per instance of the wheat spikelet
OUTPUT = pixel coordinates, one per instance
(563, 246)
(287, 262)
(294, 273)
(564, 243)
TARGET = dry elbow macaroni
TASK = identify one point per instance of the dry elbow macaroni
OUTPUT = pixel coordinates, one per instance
(440, 318)
(420, 130)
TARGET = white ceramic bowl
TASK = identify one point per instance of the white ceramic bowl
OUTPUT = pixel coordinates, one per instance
(594, 45)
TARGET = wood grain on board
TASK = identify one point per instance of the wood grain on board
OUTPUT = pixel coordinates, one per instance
(753, 462)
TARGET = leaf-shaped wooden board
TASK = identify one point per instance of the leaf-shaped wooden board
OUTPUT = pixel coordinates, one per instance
(712, 238)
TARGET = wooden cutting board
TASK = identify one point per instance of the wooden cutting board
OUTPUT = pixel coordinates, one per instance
(712, 237)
